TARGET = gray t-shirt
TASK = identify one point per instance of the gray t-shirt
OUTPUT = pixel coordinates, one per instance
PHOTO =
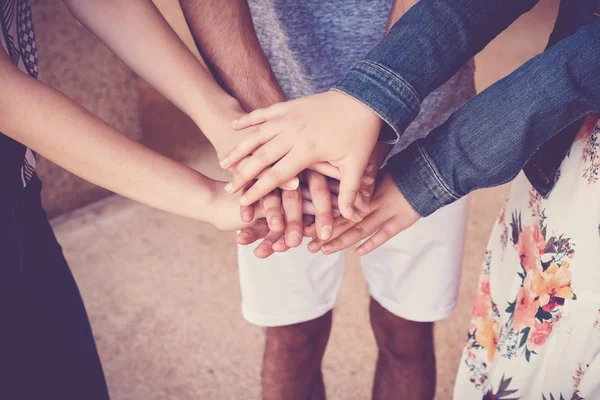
(310, 45)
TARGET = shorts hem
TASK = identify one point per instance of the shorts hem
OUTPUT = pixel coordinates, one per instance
(431, 315)
(271, 321)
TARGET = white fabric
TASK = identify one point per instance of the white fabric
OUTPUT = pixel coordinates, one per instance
(404, 275)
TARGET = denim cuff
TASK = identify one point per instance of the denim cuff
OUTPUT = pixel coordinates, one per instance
(388, 95)
(416, 178)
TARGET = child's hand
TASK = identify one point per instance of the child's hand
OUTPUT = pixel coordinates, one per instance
(329, 127)
(385, 216)
(223, 137)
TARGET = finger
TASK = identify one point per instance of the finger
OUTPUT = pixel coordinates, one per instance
(265, 248)
(327, 169)
(285, 169)
(358, 232)
(340, 225)
(254, 139)
(308, 207)
(307, 196)
(333, 172)
(292, 184)
(321, 199)
(247, 213)
(259, 116)
(258, 163)
(387, 231)
(279, 246)
(252, 233)
(273, 211)
(352, 173)
(292, 207)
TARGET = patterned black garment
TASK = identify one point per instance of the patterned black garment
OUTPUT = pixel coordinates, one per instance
(17, 163)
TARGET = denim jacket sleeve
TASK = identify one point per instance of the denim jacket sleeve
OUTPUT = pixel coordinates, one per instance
(489, 140)
(422, 51)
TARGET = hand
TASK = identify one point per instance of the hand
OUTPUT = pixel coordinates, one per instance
(377, 158)
(385, 216)
(329, 126)
(224, 208)
(315, 200)
(223, 138)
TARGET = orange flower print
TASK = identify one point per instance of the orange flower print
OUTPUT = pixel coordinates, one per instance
(487, 334)
(526, 307)
(554, 282)
(482, 308)
(538, 335)
(530, 246)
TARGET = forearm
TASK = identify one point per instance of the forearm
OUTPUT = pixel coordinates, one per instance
(490, 139)
(73, 138)
(138, 34)
(225, 36)
(424, 49)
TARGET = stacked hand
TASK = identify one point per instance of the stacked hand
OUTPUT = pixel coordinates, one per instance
(330, 133)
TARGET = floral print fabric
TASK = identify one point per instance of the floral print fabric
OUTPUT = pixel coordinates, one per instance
(535, 325)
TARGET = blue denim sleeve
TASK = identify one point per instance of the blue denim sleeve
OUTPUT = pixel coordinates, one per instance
(422, 51)
(490, 139)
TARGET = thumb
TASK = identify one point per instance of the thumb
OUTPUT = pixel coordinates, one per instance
(351, 177)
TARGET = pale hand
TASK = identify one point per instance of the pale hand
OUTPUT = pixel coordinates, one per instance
(327, 127)
(387, 214)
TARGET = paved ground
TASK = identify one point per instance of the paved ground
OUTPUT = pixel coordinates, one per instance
(162, 291)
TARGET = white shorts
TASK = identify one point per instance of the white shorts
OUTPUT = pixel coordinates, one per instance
(415, 275)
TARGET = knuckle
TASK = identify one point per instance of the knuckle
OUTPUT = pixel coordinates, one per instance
(290, 195)
(273, 175)
(387, 232)
(320, 190)
(337, 243)
(261, 155)
(361, 230)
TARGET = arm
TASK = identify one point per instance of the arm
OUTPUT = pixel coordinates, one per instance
(73, 138)
(225, 36)
(486, 143)
(138, 34)
(423, 50)
(489, 140)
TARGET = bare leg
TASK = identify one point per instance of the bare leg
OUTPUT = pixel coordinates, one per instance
(406, 360)
(292, 360)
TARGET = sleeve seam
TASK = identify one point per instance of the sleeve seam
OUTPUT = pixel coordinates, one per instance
(435, 175)
(391, 75)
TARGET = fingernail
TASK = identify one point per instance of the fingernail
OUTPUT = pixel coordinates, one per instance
(369, 168)
(224, 162)
(244, 201)
(360, 251)
(312, 247)
(244, 234)
(336, 213)
(365, 193)
(246, 216)
(325, 249)
(295, 238)
(325, 232)
(229, 187)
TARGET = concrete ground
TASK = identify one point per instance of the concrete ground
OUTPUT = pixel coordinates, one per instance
(162, 291)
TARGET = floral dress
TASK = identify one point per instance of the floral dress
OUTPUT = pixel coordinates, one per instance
(535, 327)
